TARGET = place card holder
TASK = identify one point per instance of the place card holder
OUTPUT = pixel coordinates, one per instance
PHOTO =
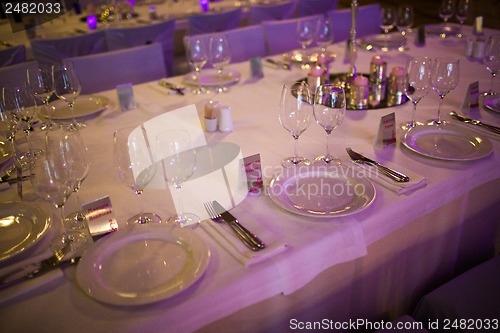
(100, 217)
(386, 134)
(126, 96)
(471, 99)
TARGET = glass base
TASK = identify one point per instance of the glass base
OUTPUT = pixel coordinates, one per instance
(327, 160)
(295, 161)
(187, 219)
(435, 122)
(407, 125)
(77, 240)
(144, 218)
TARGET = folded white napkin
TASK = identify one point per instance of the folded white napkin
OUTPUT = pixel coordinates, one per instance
(416, 181)
(227, 238)
(22, 288)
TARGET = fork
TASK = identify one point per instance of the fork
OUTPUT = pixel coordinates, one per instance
(250, 240)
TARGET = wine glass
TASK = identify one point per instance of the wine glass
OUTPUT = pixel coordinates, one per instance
(178, 158)
(295, 112)
(446, 10)
(52, 181)
(67, 87)
(462, 13)
(134, 164)
(329, 111)
(306, 29)
(196, 52)
(444, 78)
(492, 59)
(405, 18)
(416, 85)
(39, 79)
(324, 33)
(220, 57)
(387, 23)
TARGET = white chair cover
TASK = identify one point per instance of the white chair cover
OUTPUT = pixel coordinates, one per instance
(12, 55)
(15, 74)
(245, 43)
(368, 22)
(214, 22)
(104, 71)
(281, 36)
(313, 7)
(280, 11)
(163, 33)
(54, 50)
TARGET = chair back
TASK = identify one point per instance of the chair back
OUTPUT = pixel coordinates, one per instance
(54, 50)
(12, 55)
(162, 33)
(313, 7)
(15, 74)
(368, 22)
(104, 71)
(214, 22)
(281, 36)
(279, 11)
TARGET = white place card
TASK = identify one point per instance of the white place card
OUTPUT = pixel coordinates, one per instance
(126, 96)
(471, 99)
(386, 134)
(253, 170)
(100, 216)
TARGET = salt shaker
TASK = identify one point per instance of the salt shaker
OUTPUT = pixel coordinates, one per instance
(225, 123)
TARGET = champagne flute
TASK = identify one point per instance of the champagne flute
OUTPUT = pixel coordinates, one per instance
(306, 30)
(134, 164)
(446, 10)
(492, 59)
(220, 57)
(39, 79)
(295, 112)
(444, 78)
(324, 33)
(196, 52)
(416, 85)
(67, 87)
(178, 158)
(329, 112)
(387, 23)
(462, 13)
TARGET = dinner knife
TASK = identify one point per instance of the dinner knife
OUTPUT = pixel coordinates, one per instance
(234, 223)
(476, 122)
(283, 65)
(168, 85)
(393, 174)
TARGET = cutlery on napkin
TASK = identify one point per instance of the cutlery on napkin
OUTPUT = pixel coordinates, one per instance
(415, 182)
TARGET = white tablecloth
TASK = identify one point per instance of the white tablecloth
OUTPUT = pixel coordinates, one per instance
(372, 265)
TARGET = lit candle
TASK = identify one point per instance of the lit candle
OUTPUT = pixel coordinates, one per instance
(316, 71)
(92, 22)
(360, 81)
(377, 60)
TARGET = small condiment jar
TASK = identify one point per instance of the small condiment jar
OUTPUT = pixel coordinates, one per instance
(211, 112)
(358, 98)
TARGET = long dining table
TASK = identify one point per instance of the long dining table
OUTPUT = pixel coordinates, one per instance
(367, 267)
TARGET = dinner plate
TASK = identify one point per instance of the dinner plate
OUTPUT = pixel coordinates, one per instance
(5, 150)
(323, 192)
(492, 102)
(391, 40)
(22, 224)
(142, 264)
(447, 142)
(210, 78)
(85, 105)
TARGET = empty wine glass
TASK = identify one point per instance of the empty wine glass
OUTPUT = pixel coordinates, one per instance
(134, 164)
(416, 85)
(492, 59)
(462, 13)
(220, 57)
(295, 112)
(329, 111)
(39, 79)
(306, 29)
(67, 88)
(405, 18)
(197, 56)
(387, 23)
(178, 159)
(444, 78)
(324, 33)
(446, 10)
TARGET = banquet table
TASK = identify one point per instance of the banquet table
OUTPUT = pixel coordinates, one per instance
(372, 265)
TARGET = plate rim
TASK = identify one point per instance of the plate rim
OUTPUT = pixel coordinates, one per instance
(490, 107)
(86, 278)
(452, 128)
(212, 72)
(106, 103)
(311, 168)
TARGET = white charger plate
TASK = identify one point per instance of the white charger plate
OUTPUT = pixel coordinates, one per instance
(447, 142)
(142, 264)
(492, 102)
(85, 105)
(210, 78)
(323, 192)
(21, 226)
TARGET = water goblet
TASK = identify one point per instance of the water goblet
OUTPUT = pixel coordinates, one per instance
(405, 18)
(197, 56)
(67, 88)
(220, 57)
(446, 10)
(492, 59)
(462, 13)
(387, 23)
(295, 112)
(444, 78)
(39, 79)
(178, 159)
(329, 111)
(306, 30)
(416, 85)
(324, 33)
(134, 164)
